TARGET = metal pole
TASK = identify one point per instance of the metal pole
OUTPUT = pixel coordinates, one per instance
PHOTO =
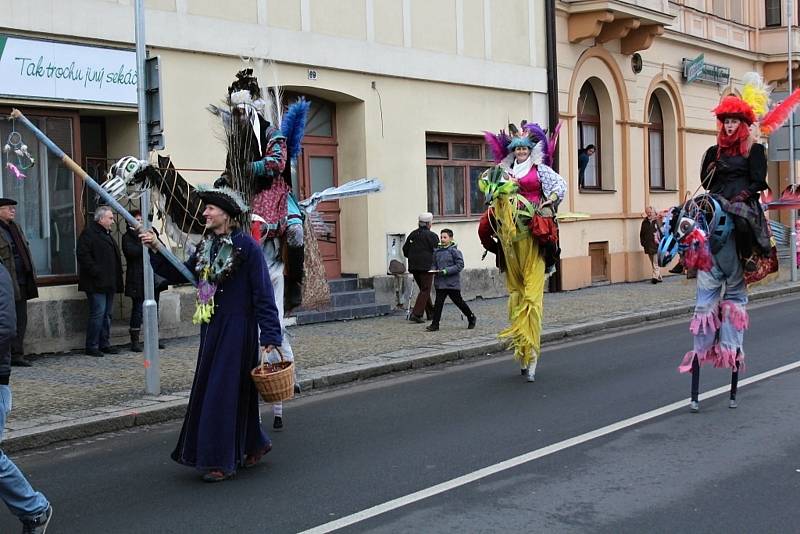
(152, 367)
(792, 213)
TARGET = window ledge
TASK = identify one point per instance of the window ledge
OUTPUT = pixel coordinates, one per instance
(597, 191)
(657, 191)
(455, 219)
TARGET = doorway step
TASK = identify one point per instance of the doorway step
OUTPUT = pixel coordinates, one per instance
(351, 298)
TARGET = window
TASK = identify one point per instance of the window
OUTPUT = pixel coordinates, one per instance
(46, 196)
(589, 134)
(655, 144)
(773, 12)
(454, 165)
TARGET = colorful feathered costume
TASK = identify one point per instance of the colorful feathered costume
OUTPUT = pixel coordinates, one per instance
(724, 234)
(523, 193)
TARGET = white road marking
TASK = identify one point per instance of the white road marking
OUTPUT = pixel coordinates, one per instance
(463, 480)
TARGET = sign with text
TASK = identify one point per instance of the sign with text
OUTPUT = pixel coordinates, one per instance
(59, 71)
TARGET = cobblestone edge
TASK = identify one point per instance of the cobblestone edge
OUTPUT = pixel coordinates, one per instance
(147, 410)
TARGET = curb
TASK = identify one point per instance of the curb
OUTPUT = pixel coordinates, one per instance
(149, 410)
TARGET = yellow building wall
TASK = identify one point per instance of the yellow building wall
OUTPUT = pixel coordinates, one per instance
(388, 22)
(343, 18)
(433, 25)
(283, 14)
(245, 10)
(474, 34)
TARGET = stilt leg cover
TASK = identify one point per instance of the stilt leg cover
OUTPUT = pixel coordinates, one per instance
(705, 322)
(728, 357)
(702, 356)
(736, 314)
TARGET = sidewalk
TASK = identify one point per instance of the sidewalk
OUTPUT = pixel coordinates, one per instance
(73, 395)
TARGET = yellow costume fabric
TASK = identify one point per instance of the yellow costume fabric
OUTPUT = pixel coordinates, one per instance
(525, 279)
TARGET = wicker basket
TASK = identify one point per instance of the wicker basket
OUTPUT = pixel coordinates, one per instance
(274, 381)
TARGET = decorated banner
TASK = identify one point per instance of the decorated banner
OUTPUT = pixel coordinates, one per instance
(58, 71)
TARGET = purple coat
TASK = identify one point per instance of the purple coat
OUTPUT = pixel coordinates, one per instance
(222, 422)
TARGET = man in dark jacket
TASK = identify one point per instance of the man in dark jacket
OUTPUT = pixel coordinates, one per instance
(649, 236)
(15, 254)
(100, 276)
(418, 248)
(30, 506)
(448, 262)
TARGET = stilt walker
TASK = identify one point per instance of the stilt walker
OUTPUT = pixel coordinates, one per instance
(724, 234)
(523, 193)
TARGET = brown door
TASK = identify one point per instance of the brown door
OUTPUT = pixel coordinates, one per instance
(318, 172)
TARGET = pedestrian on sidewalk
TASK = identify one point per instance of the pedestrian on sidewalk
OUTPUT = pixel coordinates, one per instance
(418, 248)
(134, 282)
(29, 505)
(15, 254)
(448, 262)
(236, 309)
(100, 276)
(649, 237)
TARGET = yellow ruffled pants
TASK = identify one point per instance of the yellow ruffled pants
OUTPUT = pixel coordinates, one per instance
(525, 279)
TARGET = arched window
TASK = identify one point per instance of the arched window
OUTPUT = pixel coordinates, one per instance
(655, 144)
(589, 174)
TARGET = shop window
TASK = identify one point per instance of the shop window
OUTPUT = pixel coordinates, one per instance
(589, 128)
(772, 11)
(655, 145)
(454, 165)
(46, 196)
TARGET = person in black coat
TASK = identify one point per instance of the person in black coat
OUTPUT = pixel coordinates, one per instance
(134, 282)
(418, 248)
(100, 276)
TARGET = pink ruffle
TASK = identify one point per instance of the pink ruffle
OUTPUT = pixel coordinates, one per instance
(707, 322)
(737, 314)
(728, 357)
(720, 356)
(702, 356)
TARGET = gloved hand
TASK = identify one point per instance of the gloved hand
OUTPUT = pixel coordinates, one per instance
(741, 196)
(258, 168)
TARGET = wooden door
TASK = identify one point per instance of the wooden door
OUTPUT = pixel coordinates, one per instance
(318, 172)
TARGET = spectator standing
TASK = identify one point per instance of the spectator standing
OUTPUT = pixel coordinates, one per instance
(15, 254)
(449, 262)
(134, 282)
(100, 276)
(419, 248)
(30, 506)
(583, 161)
(649, 236)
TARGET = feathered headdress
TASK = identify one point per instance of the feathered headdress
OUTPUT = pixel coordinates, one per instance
(529, 134)
(293, 126)
(753, 105)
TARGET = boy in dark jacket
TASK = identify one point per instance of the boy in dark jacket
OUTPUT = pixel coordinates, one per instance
(448, 262)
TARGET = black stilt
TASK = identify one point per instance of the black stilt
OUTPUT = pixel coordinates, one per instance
(734, 381)
(695, 378)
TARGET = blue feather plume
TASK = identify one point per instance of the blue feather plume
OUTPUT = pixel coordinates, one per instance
(293, 126)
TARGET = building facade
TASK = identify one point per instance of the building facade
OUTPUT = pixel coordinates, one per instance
(638, 79)
(400, 89)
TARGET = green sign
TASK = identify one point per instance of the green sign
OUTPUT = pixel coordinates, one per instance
(694, 68)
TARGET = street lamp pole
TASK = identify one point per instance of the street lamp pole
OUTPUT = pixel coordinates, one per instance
(152, 376)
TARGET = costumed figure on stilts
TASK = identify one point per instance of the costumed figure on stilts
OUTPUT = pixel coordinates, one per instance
(520, 228)
(724, 235)
(259, 153)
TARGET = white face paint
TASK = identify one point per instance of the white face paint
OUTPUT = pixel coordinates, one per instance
(731, 124)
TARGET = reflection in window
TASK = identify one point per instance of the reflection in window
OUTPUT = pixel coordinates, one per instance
(46, 209)
(453, 190)
(320, 119)
(433, 190)
(773, 12)
(321, 173)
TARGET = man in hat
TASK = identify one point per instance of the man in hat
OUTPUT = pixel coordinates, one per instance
(418, 248)
(15, 254)
(236, 309)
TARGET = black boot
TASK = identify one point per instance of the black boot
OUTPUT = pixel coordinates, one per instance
(135, 345)
(293, 292)
(471, 322)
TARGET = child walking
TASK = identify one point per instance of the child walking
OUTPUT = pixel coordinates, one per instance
(448, 262)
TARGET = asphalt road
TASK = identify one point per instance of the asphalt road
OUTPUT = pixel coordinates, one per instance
(347, 450)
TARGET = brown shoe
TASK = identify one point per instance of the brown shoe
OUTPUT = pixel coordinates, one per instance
(253, 459)
(217, 475)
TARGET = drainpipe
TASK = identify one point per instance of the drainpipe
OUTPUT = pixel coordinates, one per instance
(554, 284)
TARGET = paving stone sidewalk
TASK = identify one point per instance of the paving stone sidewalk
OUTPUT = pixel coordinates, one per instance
(64, 388)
